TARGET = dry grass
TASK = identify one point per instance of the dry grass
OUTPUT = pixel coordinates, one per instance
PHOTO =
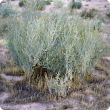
(102, 67)
(11, 69)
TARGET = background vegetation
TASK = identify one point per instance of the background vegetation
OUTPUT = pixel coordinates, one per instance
(7, 11)
(74, 4)
(58, 3)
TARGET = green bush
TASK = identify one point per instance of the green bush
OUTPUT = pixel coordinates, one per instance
(22, 3)
(47, 2)
(3, 27)
(75, 5)
(108, 14)
(40, 5)
(105, 6)
(58, 3)
(86, 5)
(95, 9)
(87, 14)
(35, 5)
(64, 47)
(7, 11)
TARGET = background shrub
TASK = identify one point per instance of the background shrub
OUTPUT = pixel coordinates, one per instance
(108, 14)
(66, 48)
(87, 14)
(75, 5)
(105, 6)
(22, 3)
(40, 5)
(35, 5)
(58, 3)
(95, 9)
(3, 26)
(86, 5)
(7, 11)
(47, 2)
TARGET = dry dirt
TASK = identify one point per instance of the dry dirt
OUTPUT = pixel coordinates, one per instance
(94, 94)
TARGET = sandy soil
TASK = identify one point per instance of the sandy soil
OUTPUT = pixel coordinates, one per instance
(88, 96)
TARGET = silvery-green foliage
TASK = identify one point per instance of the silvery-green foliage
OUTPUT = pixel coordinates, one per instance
(54, 41)
(58, 3)
(7, 11)
(58, 84)
(35, 4)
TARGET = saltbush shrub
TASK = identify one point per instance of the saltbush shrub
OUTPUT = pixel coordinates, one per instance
(40, 5)
(7, 11)
(35, 5)
(66, 48)
(58, 3)
(75, 5)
